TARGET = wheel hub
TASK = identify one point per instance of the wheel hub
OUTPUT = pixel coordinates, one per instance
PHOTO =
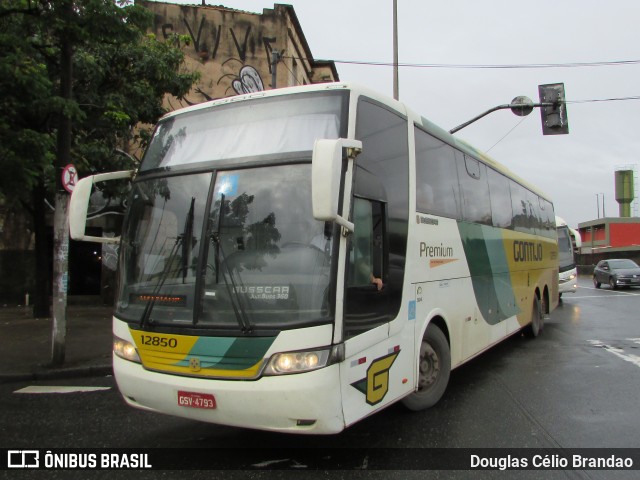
(429, 366)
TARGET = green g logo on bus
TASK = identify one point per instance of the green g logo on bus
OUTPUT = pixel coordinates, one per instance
(376, 384)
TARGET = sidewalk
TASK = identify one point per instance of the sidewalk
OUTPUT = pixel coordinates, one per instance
(25, 344)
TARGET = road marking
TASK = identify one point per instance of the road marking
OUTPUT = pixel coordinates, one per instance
(618, 352)
(602, 296)
(604, 293)
(54, 389)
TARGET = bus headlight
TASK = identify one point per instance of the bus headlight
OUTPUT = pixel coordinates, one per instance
(126, 350)
(303, 361)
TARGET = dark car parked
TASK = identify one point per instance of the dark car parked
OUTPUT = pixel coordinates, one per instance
(616, 273)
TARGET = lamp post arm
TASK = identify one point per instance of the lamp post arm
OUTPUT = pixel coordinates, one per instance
(512, 106)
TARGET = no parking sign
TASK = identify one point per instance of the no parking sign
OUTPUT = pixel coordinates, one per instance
(69, 177)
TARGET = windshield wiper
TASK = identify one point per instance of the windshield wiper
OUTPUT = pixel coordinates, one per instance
(185, 240)
(232, 290)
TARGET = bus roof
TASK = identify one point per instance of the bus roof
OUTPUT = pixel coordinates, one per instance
(427, 125)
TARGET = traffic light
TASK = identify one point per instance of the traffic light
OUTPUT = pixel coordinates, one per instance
(554, 116)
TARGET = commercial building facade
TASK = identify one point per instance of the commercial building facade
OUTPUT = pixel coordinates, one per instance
(606, 238)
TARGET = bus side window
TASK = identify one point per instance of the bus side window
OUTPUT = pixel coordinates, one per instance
(500, 193)
(474, 189)
(366, 252)
(437, 188)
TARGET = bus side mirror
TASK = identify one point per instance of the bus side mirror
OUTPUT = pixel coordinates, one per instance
(79, 205)
(326, 174)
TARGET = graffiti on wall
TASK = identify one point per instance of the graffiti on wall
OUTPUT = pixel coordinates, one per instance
(237, 75)
(247, 80)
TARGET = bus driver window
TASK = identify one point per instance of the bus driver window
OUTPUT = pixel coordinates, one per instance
(365, 255)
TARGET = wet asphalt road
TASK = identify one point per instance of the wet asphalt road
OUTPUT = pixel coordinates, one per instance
(575, 386)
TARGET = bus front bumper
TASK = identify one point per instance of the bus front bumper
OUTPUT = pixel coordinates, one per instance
(301, 403)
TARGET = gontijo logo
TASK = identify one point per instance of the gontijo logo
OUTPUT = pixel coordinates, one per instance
(376, 384)
(527, 251)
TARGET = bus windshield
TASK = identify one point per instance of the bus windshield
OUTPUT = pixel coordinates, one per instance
(261, 258)
(565, 249)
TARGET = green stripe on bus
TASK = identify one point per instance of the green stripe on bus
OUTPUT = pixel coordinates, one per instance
(225, 353)
(489, 268)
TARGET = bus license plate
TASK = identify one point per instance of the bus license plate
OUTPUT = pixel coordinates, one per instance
(196, 400)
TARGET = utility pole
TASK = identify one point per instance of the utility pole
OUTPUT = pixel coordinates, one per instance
(275, 58)
(60, 218)
(396, 93)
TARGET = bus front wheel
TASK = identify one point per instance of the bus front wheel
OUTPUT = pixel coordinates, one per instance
(434, 368)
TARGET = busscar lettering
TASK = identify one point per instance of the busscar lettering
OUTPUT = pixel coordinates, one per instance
(264, 292)
(527, 251)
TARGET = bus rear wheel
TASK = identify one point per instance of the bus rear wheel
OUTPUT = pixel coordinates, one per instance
(537, 320)
(434, 368)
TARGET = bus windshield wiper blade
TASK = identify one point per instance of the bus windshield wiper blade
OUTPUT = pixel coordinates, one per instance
(187, 241)
(232, 290)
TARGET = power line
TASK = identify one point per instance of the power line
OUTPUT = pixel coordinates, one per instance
(507, 134)
(293, 75)
(613, 63)
(616, 63)
(522, 66)
(619, 99)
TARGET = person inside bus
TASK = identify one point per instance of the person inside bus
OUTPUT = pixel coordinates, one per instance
(363, 244)
(323, 243)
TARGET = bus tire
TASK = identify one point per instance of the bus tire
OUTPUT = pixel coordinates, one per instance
(537, 320)
(434, 369)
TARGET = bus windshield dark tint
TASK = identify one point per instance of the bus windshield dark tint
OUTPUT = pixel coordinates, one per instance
(565, 249)
(245, 129)
(257, 259)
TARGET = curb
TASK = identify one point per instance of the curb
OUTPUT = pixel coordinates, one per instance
(54, 374)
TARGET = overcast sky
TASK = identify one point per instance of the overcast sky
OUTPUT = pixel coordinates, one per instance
(576, 170)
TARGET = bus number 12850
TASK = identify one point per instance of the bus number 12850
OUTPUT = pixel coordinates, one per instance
(158, 341)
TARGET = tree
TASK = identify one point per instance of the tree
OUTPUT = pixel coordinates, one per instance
(118, 78)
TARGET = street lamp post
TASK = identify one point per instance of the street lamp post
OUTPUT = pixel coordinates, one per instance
(598, 204)
(396, 94)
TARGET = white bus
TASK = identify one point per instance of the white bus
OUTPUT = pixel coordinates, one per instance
(298, 259)
(568, 272)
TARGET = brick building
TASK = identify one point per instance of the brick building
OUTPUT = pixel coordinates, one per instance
(233, 50)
